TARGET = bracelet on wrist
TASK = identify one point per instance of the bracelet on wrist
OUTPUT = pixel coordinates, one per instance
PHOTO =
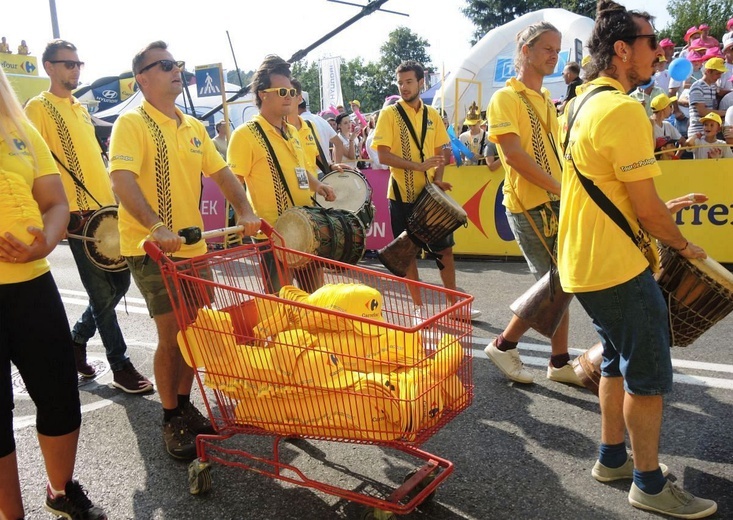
(156, 227)
(687, 243)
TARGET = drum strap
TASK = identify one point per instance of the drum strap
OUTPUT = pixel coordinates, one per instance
(321, 161)
(609, 208)
(271, 152)
(419, 142)
(76, 179)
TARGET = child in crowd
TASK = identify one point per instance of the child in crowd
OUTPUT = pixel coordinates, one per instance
(665, 149)
(662, 106)
(707, 143)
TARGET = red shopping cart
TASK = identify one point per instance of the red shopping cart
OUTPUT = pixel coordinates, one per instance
(347, 362)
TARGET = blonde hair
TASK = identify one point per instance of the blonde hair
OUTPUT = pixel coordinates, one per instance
(12, 117)
(529, 36)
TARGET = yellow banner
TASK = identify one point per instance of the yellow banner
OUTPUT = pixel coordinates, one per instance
(19, 64)
(26, 87)
(708, 225)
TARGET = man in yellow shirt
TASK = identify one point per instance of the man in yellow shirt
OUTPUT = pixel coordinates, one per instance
(412, 165)
(67, 128)
(157, 156)
(268, 154)
(523, 122)
(608, 271)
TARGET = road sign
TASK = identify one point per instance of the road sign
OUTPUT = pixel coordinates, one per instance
(208, 80)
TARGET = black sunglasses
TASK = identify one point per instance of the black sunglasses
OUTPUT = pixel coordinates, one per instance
(165, 65)
(653, 43)
(69, 64)
(282, 91)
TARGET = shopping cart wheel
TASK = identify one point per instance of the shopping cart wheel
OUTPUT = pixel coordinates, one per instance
(199, 477)
(372, 513)
(423, 483)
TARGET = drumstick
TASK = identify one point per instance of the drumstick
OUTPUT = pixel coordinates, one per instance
(193, 234)
(82, 237)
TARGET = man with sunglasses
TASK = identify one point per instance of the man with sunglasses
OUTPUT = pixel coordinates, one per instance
(157, 157)
(609, 271)
(67, 128)
(268, 154)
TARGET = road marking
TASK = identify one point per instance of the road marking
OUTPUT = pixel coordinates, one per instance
(134, 305)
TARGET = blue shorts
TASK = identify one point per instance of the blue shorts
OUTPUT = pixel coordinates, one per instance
(399, 213)
(538, 259)
(633, 323)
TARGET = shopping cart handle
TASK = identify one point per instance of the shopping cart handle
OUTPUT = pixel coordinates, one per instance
(193, 234)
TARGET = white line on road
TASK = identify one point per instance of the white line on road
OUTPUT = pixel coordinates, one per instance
(134, 305)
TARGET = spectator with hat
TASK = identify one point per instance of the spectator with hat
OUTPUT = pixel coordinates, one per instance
(661, 77)
(703, 95)
(691, 34)
(725, 83)
(729, 28)
(705, 40)
(661, 106)
(665, 149)
(707, 142)
(474, 138)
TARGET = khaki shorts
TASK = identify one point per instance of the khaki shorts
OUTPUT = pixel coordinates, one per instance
(149, 281)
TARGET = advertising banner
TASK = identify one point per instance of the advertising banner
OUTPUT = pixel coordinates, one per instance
(331, 82)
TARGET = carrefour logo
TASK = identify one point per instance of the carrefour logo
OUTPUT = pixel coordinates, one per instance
(28, 67)
(109, 94)
(20, 145)
(196, 142)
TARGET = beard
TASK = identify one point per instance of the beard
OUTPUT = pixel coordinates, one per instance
(411, 98)
(70, 85)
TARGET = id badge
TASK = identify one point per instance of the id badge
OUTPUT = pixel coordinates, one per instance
(302, 176)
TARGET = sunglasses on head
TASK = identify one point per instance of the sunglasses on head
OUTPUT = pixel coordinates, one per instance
(69, 64)
(165, 65)
(282, 91)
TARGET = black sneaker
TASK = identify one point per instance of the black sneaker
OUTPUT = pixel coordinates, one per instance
(130, 380)
(196, 421)
(80, 358)
(74, 505)
(180, 442)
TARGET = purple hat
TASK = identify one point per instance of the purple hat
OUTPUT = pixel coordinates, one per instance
(696, 57)
(703, 26)
(713, 52)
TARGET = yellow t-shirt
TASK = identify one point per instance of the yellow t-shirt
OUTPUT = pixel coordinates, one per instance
(68, 130)
(310, 148)
(249, 159)
(18, 208)
(168, 160)
(392, 132)
(509, 113)
(594, 253)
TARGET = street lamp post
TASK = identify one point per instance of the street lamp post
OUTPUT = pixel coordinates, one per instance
(54, 19)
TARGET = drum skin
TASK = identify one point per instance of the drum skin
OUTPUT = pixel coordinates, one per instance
(104, 250)
(353, 194)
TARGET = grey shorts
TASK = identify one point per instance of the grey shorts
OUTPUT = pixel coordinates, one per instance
(545, 218)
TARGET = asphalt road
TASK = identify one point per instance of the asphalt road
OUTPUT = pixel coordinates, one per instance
(520, 451)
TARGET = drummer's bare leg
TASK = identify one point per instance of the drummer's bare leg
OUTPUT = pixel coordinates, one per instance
(611, 398)
(412, 274)
(169, 376)
(559, 340)
(448, 272)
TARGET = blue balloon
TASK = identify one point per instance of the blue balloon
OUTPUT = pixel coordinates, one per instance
(680, 69)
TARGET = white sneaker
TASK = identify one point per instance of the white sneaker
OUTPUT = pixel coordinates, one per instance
(509, 363)
(565, 374)
(475, 314)
(419, 315)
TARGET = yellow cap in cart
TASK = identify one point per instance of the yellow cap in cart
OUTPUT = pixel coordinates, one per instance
(322, 369)
(351, 298)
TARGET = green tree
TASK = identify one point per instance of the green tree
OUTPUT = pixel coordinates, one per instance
(234, 75)
(686, 13)
(488, 14)
(308, 75)
(401, 45)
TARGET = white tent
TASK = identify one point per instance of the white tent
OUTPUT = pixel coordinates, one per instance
(240, 111)
(490, 63)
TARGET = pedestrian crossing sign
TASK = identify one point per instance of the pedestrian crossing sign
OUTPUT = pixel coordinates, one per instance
(208, 80)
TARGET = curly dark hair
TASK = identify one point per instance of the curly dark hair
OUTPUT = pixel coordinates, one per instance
(613, 23)
(411, 65)
(273, 64)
